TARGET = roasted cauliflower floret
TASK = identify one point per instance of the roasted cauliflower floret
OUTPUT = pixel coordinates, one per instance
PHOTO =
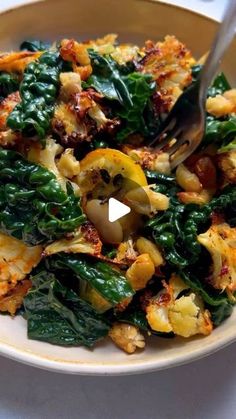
(77, 54)
(70, 85)
(67, 164)
(65, 124)
(16, 261)
(84, 240)
(126, 251)
(170, 64)
(13, 300)
(16, 62)
(46, 156)
(140, 272)
(227, 163)
(124, 53)
(184, 316)
(220, 241)
(188, 318)
(80, 118)
(127, 337)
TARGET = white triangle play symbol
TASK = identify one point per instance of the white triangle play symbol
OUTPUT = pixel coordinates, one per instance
(116, 210)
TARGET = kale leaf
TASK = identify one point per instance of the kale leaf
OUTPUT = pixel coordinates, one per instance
(229, 147)
(219, 85)
(8, 84)
(218, 304)
(219, 132)
(131, 91)
(176, 229)
(34, 45)
(108, 282)
(56, 314)
(38, 91)
(33, 207)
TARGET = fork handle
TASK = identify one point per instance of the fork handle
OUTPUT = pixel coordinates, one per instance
(223, 39)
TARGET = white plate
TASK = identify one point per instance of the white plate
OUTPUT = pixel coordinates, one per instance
(134, 20)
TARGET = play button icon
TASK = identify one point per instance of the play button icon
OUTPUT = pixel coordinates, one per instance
(116, 210)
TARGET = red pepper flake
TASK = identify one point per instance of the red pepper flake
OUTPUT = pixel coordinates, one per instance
(164, 299)
(217, 218)
(145, 299)
(224, 270)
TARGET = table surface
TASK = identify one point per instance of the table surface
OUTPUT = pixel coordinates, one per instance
(204, 389)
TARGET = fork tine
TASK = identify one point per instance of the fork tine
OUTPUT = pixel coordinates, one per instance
(159, 142)
(169, 136)
(179, 142)
(185, 153)
(167, 127)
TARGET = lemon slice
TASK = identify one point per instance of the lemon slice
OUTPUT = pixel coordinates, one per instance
(108, 161)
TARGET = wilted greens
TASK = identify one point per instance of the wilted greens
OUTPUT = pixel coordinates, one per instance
(33, 206)
(38, 91)
(56, 314)
(9, 83)
(110, 283)
(130, 90)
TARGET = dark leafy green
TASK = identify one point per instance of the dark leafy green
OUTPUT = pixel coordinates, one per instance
(8, 84)
(33, 207)
(56, 314)
(38, 91)
(110, 283)
(229, 147)
(34, 45)
(135, 317)
(218, 304)
(176, 229)
(219, 85)
(131, 90)
(221, 312)
(219, 132)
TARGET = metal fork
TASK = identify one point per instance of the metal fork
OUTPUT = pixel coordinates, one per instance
(186, 121)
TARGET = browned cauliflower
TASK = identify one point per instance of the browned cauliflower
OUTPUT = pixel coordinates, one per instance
(140, 272)
(227, 163)
(170, 64)
(16, 261)
(127, 337)
(16, 62)
(13, 300)
(220, 241)
(83, 240)
(80, 118)
(185, 316)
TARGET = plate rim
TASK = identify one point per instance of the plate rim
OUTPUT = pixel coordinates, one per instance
(113, 369)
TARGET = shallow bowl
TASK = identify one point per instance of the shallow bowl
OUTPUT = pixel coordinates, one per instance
(133, 20)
